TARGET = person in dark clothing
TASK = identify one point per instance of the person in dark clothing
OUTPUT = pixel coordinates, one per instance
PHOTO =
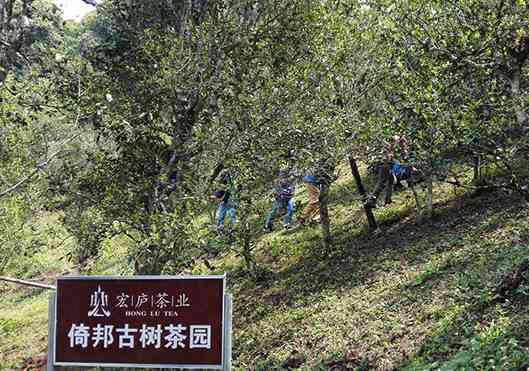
(227, 199)
(284, 190)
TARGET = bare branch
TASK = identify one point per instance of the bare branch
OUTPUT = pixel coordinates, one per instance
(27, 283)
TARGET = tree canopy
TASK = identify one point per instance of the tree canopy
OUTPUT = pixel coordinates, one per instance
(125, 120)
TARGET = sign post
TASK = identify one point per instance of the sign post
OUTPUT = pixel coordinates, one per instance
(143, 321)
(227, 331)
(51, 331)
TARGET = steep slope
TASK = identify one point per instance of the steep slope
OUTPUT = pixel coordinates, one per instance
(412, 296)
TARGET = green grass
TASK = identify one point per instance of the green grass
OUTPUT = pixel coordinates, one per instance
(24, 310)
(412, 296)
(23, 326)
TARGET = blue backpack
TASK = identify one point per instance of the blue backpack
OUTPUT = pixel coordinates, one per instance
(402, 172)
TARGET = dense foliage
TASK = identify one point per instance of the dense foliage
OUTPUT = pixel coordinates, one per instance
(125, 121)
(115, 133)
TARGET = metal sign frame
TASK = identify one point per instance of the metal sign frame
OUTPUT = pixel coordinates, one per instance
(226, 340)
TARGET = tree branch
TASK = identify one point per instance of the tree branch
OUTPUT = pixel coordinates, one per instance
(27, 283)
(90, 2)
(39, 167)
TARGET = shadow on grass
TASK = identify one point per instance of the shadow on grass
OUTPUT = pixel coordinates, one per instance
(476, 339)
(358, 258)
(338, 267)
(484, 333)
(345, 195)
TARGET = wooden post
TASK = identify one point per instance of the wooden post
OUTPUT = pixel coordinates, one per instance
(361, 190)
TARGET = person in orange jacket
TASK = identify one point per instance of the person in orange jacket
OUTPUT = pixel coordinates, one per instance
(311, 213)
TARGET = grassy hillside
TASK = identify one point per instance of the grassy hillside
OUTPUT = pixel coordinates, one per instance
(415, 296)
(412, 296)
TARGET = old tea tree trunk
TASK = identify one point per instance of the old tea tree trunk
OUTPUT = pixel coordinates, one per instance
(324, 216)
(325, 173)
